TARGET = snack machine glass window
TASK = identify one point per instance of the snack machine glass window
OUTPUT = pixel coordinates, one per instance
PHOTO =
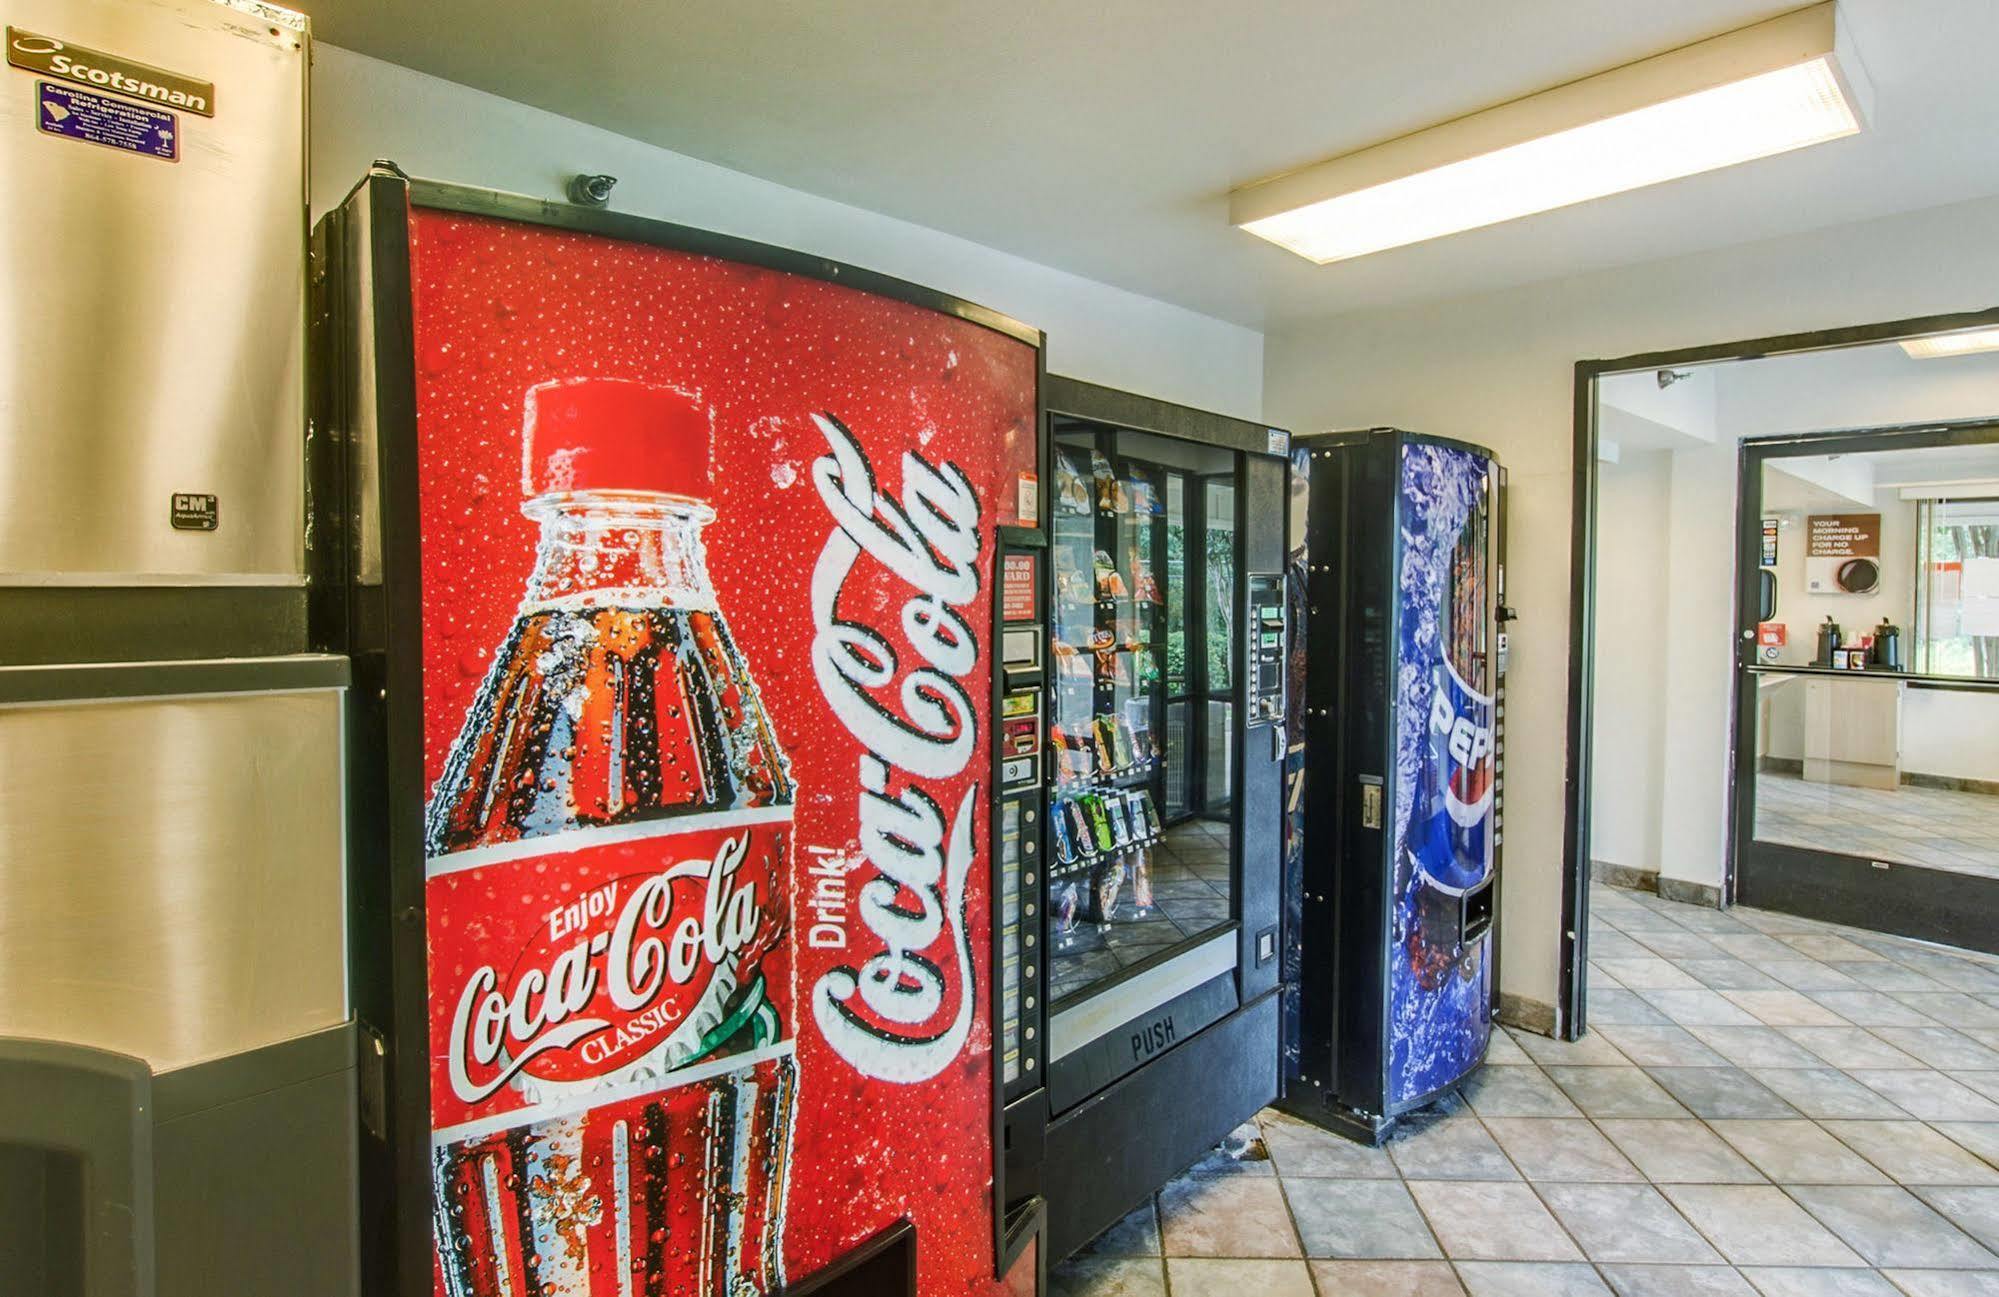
(1145, 577)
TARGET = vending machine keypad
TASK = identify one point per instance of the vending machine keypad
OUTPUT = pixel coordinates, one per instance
(1018, 742)
(1266, 649)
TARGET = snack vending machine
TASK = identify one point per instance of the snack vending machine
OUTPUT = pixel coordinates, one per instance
(1396, 838)
(1165, 741)
(691, 588)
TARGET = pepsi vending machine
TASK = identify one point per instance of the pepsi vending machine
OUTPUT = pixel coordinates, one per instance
(1395, 836)
(685, 902)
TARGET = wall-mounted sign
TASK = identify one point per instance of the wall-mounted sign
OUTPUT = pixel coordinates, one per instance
(101, 71)
(1773, 634)
(1769, 542)
(1843, 553)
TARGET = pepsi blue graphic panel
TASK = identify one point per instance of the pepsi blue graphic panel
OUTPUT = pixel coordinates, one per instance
(1440, 992)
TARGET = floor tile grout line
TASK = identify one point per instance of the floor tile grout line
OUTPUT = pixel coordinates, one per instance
(1767, 1180)
(1649, 1182)
(1479, 1119)
(1848, 1073)
(1974, 991)
(1818, 1122)
(1785, 1189)
(1290, 1212)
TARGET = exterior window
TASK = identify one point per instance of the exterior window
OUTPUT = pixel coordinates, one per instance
(1957, 588)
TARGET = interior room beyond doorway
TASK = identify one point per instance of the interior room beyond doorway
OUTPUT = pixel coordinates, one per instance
(1840, 747)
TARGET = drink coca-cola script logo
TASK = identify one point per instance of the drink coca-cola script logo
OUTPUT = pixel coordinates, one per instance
(905, 1012)
(631, 978)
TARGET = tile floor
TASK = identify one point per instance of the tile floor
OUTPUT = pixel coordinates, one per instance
(1937, 827)
(1765, 1106)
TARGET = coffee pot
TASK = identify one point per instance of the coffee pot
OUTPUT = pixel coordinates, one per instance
(1886, 652)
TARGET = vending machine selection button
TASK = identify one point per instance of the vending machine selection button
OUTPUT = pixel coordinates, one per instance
(1018, 771)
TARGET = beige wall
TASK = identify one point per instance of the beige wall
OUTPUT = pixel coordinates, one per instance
(1633, 627)
(1498, 369)
(363, 109)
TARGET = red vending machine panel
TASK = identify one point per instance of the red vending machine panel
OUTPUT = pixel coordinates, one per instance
(693, 544)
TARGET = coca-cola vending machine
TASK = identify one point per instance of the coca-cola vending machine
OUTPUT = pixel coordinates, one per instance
(684, 580)
(1399, 568)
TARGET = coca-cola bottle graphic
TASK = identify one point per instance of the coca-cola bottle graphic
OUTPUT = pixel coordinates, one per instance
(618, 1079)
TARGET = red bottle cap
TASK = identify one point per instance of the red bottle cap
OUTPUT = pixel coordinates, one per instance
(612, 434)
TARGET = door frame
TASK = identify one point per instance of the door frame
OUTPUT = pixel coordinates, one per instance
(1899, 897)
(1572, 1011)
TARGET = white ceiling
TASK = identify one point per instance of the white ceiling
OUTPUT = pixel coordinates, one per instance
(1103, 137)
(1934, 465)
(1875, 386)
(1877, 477)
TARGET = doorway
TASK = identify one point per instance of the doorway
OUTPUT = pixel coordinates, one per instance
(1689, 593)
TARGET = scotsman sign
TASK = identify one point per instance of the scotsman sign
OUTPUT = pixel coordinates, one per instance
(103, 71)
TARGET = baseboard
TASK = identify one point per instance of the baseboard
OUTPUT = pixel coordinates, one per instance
(1637, 880)
(1781, 765)
(1651, 880)
(1686, 893)
(1951, 783)
(1528, 1015)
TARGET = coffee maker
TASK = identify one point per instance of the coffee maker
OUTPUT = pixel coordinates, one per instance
(1885, 654)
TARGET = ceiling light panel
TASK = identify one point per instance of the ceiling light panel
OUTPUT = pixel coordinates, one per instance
(1763, 90)
(1952, 344)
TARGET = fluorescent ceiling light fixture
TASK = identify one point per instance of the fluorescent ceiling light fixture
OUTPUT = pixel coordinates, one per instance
(1952, 344)
(1762, 90)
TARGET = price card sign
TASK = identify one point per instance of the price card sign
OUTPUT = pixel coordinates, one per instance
(1017, 591)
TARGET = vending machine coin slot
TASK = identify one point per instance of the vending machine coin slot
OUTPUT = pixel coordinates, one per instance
(1020, 650)
(1370, 801)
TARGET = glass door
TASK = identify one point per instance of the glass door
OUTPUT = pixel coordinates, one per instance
(1867, 763)
(1142, 778)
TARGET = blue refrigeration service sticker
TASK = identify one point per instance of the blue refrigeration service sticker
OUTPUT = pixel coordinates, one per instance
(1439, 1001)
(97, 119)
